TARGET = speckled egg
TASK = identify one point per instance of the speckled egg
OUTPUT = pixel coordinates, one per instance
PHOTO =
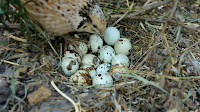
(105, 67)
(106, 54)
(118, 72)
(81, 45)
(123, 46)
(69, 66)
(89, 69)
(72, 54)
(95, 43)
(120, 59)
(102, 80)
(91, 59)
(81, 78)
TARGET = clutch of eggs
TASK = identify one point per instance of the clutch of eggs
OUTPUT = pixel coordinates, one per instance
(104, 63)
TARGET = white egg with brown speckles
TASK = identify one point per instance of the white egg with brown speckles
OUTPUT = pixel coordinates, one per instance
(102, 80)
(105, 67)
(81, 45)
(89, 69)
(120, 59)
(69, 66)
(81, 78)
(72, 54)
(106, 54)
(95, 43)
(123, 46)
(91, 59)
(118, 72)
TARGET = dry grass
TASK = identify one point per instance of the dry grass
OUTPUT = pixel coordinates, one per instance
(163, 76)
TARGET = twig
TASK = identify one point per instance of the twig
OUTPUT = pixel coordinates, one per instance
(146, 3)
(148, 7)
(10, 25)
(30, 72)
(191, 28)
(15, 38)
(9, 62)
(185, 26)
(168, 48)
(64, 95)
(143, 18)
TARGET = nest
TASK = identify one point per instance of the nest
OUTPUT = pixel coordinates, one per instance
(163, 74)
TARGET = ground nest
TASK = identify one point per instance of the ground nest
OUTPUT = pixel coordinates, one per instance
(164, 69)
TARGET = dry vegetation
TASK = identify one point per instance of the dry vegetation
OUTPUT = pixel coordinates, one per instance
(163, 76)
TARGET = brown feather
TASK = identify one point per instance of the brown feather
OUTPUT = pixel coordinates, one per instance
(64, 16)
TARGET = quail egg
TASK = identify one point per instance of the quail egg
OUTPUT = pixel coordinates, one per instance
(95, 43)
(120, 59)
(91, 59)
(81, 45)
(103, 80)
(117, 70)
(123, 46)
(81, 78)
(105, 67)
(111, 35)
(69, 65)
(106, 54)
(89, 69)
(72, 54)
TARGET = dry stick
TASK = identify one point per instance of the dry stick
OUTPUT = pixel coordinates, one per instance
(139, 11)
(146, 19)
(127, 2)
(159, 35)
(10, 25)
(169, 50)
(143, 9)
(29, 73)
(15, 38)
(191, 28)
(187, 27)
(146, 3)
(9, 62)
(65, 96)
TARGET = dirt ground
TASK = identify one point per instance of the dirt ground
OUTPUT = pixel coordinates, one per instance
(163, 75)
